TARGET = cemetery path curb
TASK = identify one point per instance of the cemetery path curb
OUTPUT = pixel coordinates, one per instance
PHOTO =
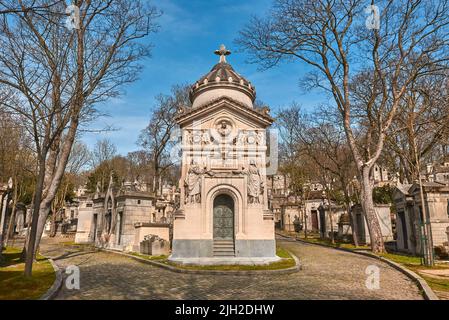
(51, 293)
(293, 269)
(420, 282)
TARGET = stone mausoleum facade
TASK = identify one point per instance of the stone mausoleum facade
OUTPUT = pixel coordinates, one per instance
(123, 216)
(410, 215)
(223, 215)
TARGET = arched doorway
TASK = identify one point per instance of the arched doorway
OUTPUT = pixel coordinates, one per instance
(223, 219)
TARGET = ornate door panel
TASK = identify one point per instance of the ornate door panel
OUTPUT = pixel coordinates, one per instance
(223, 218)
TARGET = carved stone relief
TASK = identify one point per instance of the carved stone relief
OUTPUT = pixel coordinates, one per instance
(192, 182)
(256, 185)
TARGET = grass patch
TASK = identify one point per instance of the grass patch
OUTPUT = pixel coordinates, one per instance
(436, 283)
(337, 244)
(282, 253)
(286, 262)
(147, 257)
(15, 286)
(77, 245)
(414, 263)
(403, 259)
(410, 262)
(68, 243)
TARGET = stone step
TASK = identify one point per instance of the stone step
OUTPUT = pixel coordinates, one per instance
(223, 249)
(224, 245)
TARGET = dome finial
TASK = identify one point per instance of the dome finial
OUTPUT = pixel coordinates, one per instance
(222, 52)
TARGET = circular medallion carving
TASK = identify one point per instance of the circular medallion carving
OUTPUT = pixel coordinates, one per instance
(223, 127)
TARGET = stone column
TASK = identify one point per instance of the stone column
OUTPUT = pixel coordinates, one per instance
(5, 199)
(4, 205)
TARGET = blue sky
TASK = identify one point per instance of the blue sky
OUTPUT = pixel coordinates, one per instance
(183, 51)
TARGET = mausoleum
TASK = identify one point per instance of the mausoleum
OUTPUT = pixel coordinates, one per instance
(223, 216)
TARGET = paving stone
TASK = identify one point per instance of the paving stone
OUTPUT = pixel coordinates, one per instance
(326, 274)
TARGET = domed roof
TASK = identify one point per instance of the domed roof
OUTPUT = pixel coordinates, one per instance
(222, 76)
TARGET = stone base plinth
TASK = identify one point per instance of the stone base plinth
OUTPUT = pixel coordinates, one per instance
(224, 261)
(244, 248)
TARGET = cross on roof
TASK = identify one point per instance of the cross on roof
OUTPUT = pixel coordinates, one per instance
(222, 52)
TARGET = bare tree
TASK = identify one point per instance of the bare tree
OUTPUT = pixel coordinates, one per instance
(36, 7)
(324, 142)
(293, 163)
(104, 150)
(140, 165)
(101, 161)
(157, 137)
(79, 158)
(421, 126)
(319, 138)
(409, 41)
(58, 74)
(17, 162)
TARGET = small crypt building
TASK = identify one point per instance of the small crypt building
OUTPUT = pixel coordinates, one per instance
(123, 216)
(223, 216)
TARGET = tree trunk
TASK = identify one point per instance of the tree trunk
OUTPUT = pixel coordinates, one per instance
(355, 238)
(27, 233)
(45, 204)
(53, 224)
(377, 243)
(29, 253)
(43, 215)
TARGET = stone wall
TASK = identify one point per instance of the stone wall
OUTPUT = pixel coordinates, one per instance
(85, 227)
(132, 212)
(439, 235)
(289, 216)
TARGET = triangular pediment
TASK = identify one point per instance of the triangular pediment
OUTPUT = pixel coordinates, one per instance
(228, 107)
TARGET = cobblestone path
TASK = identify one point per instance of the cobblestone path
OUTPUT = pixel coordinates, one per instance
(326, 274)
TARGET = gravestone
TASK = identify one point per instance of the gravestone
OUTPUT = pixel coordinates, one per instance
(154, 246)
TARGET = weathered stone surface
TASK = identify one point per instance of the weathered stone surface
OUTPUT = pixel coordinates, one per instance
(154, 245)
(223, 170)
(326, 274)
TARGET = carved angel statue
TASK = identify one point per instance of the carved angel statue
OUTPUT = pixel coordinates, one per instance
(188, 137)
(241, 139)
(206, 138)
(138, 185)
(260, 138)
(192, 182)
(255, 182)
